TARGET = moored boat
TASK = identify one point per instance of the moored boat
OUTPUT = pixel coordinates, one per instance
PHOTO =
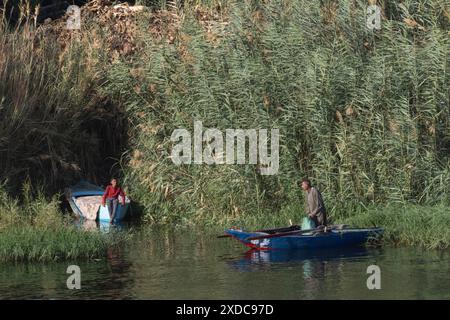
(85, 200)
(331, 238)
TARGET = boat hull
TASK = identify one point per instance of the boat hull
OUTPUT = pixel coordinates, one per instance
(121, 212)
(330, 239)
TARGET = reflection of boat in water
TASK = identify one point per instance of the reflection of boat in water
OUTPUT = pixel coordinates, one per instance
(102, 226)
(105, 226)
(267, 259)
(274, 256)
(85, 200)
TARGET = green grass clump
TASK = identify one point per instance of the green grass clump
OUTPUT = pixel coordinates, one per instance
(425, 226)
(30, 243)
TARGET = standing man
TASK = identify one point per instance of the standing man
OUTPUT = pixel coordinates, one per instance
(111, 197)
(315, 207)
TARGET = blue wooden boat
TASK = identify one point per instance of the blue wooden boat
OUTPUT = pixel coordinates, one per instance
(334, 238)
(85, 200)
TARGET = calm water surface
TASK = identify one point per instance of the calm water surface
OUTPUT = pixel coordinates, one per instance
(191, 265)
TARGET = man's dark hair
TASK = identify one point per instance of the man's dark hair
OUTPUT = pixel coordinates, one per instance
(307, 181)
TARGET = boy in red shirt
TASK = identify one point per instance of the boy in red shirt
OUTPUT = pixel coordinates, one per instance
(111, 197)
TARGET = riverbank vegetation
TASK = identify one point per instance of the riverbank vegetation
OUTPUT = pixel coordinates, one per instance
(364, 113)
(410, 225)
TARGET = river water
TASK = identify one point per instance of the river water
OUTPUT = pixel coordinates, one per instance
(174, 264)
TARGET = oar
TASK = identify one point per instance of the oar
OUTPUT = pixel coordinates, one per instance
(283, 229)
(281, 234)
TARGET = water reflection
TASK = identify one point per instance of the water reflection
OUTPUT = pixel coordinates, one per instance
(102, 226)
(106, 227)
(313, 262)
(310, 271)
(182, 264)
(119, 284)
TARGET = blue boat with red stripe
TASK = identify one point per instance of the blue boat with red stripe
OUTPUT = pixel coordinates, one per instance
(289, 238)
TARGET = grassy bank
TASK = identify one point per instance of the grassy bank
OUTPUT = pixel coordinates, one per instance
(425, 226)
(36, 230)
(65, 243)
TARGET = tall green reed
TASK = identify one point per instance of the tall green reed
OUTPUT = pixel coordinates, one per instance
(364, 113)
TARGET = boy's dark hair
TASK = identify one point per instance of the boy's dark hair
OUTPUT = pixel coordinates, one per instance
(308, 182)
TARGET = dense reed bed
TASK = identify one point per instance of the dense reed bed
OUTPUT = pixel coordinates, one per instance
(365, 113)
